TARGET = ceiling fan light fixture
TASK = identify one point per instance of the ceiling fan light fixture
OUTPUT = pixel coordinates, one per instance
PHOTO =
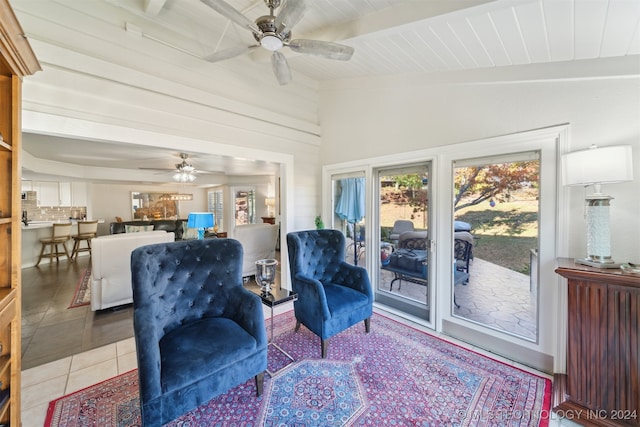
(271, 42)
(184, 176)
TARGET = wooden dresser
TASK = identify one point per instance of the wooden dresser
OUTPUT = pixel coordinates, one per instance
(16, 61)
(602, 384)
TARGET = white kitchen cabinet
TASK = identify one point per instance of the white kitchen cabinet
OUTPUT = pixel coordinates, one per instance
(48, 193)
(78, 194)
(64, 189)
(54, 193)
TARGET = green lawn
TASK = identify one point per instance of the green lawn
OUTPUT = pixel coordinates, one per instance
(505, 233)
(506, 251)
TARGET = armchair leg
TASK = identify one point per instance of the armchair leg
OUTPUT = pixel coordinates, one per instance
(325, 345)
(297, 326)
(367, 325)
(259, 384)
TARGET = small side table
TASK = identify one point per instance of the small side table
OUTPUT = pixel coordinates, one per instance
(271, 300)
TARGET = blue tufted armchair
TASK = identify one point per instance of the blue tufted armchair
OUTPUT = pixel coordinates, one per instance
(332, 295)
(198, 332)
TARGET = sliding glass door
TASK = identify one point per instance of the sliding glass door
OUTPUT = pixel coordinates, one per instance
(496, 211)
(404, 277)
(463, 239)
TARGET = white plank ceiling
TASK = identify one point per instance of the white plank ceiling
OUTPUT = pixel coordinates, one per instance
(410, 36)
(390, 37)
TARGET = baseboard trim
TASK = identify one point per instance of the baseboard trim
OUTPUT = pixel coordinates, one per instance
(512, 351)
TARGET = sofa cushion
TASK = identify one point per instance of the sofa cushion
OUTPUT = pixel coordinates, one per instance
(137, 228)
(169, 225)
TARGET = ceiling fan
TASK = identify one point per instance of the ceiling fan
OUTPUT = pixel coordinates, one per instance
(273, 33)
(184, 171)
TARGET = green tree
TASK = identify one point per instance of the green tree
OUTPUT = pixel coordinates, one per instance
(478, 184)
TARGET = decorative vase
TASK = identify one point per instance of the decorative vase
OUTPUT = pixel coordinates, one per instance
(266, 274)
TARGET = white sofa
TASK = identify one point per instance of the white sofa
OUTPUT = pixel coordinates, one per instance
(111, 266)
(258, 242)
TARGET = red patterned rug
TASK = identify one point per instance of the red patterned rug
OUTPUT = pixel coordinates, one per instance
(82, 296)
(394, 375)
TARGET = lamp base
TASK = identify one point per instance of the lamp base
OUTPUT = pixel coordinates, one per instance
(597, 264)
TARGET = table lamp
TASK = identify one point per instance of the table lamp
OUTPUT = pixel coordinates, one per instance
(596, 166)
(270, 202)
(200, 220)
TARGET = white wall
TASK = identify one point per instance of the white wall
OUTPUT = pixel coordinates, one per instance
(100, 83)
(395, 115)
(111, 200)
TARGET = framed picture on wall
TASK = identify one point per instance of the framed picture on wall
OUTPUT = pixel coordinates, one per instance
(149, 206)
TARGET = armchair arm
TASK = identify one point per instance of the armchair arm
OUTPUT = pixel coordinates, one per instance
(245, 308)
(311, 296)
(354, 277)
(148, 350)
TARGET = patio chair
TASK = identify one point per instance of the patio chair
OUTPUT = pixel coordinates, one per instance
(462, 255)
(399, 227)
(409, 262)
(355, 247)
(467, 236)
(413, 240)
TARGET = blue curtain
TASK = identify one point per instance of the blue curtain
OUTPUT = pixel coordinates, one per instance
(350, 206)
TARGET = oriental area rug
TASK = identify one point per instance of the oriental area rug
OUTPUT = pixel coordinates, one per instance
(82, 296)
(395, 375)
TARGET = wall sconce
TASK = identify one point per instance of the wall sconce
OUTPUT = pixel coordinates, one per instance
(200, 220)
(596, 166)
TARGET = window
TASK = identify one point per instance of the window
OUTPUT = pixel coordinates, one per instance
(216, 205)
(245, 206)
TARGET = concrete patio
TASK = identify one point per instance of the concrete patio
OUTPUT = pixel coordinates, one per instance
(495, 296)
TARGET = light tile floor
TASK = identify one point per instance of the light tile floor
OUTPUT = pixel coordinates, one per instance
(44, 383)
(47, 382)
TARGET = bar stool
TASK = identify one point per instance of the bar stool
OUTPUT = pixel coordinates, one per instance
(87, 230)
(60, 235)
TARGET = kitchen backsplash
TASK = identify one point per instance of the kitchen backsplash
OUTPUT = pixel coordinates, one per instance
(50, 213)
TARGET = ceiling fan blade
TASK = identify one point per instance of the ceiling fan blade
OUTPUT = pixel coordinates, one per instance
(280, 68)
(321, 48)
(232, 52)
(290, 14)
(223, 8)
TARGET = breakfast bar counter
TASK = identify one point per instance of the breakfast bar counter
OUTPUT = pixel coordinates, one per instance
(36, 230)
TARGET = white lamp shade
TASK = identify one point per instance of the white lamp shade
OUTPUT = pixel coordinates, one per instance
(598, 166)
